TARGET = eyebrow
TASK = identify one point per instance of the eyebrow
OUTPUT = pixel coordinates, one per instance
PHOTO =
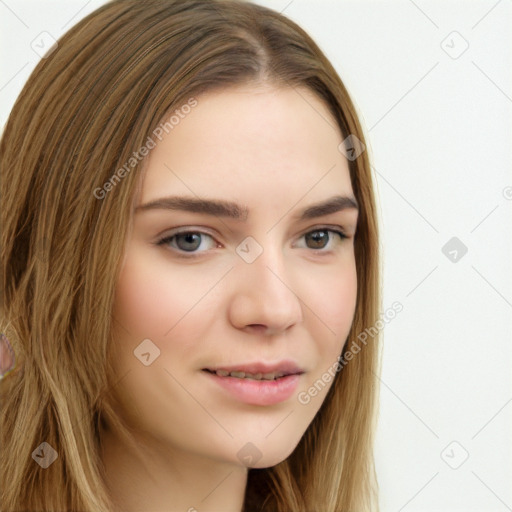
(235, 211)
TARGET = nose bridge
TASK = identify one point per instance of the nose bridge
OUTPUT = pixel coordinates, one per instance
(269, 271)
(265, 289)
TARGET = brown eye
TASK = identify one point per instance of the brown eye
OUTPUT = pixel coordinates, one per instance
(317, 239)
(320, 239)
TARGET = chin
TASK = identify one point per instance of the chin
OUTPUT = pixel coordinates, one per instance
(270, 456)
(270, 461)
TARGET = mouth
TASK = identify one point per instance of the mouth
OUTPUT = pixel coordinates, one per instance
(251, 376)
(256, 371)
(258, 383)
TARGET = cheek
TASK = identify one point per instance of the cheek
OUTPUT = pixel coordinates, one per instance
(331, 297)
(142, 301)
(332, 301)
(152, 297)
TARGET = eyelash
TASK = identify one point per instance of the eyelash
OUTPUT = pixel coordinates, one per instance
(191, 254)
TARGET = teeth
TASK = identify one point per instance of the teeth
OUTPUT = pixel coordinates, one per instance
(252, 376)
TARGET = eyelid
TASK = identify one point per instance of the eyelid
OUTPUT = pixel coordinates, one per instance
(326, 227)
(332, 227)
(186, 229)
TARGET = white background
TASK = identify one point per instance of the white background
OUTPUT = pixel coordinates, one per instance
(439, 131)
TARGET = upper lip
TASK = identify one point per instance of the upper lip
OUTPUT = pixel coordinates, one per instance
(286, 367)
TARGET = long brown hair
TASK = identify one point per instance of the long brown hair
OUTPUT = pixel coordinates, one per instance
(85, 109)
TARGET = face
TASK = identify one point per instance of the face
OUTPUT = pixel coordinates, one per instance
(240, 259)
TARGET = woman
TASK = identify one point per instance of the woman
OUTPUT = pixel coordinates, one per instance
(189, 251)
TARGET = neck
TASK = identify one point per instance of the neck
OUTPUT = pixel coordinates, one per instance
(162, 479)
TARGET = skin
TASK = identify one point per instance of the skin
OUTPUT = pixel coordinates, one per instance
(274, 151)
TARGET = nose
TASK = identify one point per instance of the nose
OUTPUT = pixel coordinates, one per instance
(264, 300)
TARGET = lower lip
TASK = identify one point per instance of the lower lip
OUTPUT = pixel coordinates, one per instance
(258, 392)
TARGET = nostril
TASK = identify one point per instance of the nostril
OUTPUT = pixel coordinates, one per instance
(257, 327)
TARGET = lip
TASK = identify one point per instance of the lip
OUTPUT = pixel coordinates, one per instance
(258, 392)
(288, 367)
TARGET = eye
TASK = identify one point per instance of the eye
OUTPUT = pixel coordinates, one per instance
(322, 238)
(194, 242)
(189, 241)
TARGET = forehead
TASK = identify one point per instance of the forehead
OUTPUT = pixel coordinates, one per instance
(250, 143)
